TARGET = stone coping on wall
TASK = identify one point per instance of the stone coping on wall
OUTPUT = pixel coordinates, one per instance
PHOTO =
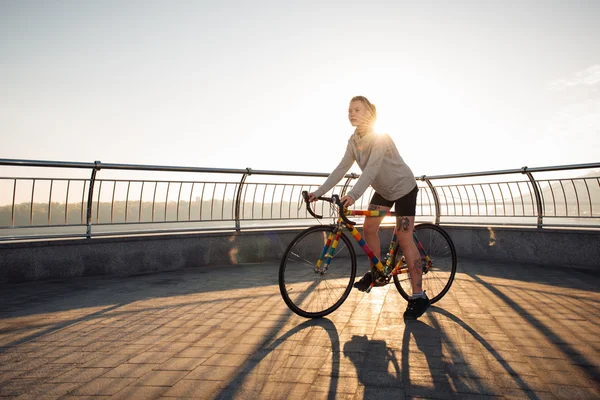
(57, 259)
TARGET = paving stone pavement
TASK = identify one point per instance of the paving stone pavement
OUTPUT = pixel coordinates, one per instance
(503, 331)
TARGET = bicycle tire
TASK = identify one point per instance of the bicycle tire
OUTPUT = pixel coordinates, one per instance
(436, 281)
(309, 293)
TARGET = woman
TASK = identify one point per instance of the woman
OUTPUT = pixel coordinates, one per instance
(394, 184)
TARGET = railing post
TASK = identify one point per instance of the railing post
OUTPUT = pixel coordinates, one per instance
(538, 197)
(88, 222)
(238, 199)
(436, 199)
(352, 176)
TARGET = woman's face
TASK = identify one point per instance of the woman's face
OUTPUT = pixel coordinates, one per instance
(358, 113)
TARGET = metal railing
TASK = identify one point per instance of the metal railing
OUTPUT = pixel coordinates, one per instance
(53, 207)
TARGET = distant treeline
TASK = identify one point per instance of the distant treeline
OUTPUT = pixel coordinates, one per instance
(121, 212)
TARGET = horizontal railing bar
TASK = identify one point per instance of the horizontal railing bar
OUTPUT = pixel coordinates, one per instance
(152, 232)
(259, 228)
(520, 225)
(142, 167)
(42, 226)
(43, 163)
(358, 218)
(512, 171)
(41, 178)
(68, 164)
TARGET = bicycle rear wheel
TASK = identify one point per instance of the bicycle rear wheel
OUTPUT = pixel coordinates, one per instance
(310, 291)
(437, 279)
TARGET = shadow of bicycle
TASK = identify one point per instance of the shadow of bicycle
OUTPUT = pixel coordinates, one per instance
(286, 366)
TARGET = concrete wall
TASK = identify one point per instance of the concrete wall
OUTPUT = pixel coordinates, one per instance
(31, 261)
(21, 262)
(550, 247)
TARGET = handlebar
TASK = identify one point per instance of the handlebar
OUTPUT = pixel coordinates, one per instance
(334, 199)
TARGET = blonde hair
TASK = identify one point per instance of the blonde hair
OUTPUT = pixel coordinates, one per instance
(369, 106)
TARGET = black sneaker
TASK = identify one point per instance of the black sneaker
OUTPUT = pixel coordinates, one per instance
(416, 307)
(365, 282)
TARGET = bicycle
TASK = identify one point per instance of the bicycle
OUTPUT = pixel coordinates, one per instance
(313, 287)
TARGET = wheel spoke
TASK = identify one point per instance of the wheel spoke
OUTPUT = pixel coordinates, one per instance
(301, 259)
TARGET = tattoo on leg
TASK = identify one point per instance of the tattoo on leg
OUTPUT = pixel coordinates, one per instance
(373, 207)
(418, 274)
(404, 224)
(418, 264)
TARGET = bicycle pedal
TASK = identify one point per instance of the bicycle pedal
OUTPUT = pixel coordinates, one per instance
(381, 283)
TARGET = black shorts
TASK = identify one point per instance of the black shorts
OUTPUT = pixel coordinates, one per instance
(405, 206)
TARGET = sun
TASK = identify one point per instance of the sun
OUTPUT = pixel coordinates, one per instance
(390, 118)
(385, 124)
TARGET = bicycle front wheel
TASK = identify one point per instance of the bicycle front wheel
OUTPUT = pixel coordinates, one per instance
(437, 279)
(313, 291)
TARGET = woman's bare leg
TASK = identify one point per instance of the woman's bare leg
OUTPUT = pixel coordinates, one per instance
(371, 230)
(405, 227)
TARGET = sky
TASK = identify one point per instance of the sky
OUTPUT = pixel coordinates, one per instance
(462, 86)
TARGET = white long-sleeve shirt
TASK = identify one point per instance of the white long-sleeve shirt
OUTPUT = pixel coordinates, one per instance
(381, 165)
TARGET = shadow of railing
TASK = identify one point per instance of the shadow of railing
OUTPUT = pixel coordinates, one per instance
(515, 270)
(576, 357)
(87, 299)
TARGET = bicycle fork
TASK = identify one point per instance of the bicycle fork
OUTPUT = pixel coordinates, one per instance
(330, 245)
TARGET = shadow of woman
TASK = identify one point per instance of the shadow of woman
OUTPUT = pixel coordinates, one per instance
(385, 372)
(377, 367)
(430, 363)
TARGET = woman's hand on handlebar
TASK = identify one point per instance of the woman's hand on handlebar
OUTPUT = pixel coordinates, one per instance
(347, 201)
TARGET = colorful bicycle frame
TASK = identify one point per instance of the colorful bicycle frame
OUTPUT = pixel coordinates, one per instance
(334, 238)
